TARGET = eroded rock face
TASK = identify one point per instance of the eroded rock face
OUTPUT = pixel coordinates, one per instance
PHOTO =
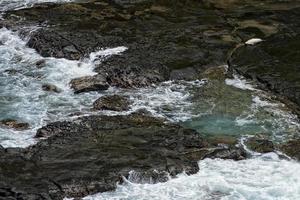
(113, 102)
(89, 83)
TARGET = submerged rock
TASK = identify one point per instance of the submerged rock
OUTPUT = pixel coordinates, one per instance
(14, 124)
(114, 102)
(40, 64)
(89, 83)
(12, 71)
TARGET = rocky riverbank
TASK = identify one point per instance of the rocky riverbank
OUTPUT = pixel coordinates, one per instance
(164, 40)
(92, 154)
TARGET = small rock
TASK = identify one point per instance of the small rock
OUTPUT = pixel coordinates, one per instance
(114, 102)
(40, 64)
(51, 88)
(227, 152)
(260, 145)
(89, 83)
(14, 124)
(12, 71)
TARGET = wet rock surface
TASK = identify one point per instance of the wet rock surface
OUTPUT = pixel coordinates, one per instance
(51, 88)
(291, 148)
(177, 40)
(161, 36)
(114, 102)
(89, 83)
(165, 39)
(260, 145)
(14, 124)
(274, 62)
(92, 154)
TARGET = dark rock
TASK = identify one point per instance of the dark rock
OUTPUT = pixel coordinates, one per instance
(89, 83)
(51, 88)
(260, 145)
(55, 128)
(92, 154)
(40, 64)
(114, 102)
(222, 140)
(44, 41)
(227, 152)
(14, 124)
(12, 71)
(275, 62)
(157, 43)
(184, 74)
(291, 148)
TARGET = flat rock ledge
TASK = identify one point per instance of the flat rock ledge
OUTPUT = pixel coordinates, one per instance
(112, 102)
(93, 153)
(89, 83)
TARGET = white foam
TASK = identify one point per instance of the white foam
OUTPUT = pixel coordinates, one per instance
(240, 82)
(18, 4)
(272, 116)
(263, 178)
(21, 96)
(169, 99)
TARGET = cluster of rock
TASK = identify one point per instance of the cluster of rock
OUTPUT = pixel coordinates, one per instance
(166, 40)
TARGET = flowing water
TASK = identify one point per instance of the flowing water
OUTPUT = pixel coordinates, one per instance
(18, 4)
(230, 107)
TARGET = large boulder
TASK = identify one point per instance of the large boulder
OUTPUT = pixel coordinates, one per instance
(93, 153)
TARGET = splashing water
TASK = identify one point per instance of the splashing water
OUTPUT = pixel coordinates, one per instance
(21, 94)
(22, 97)
(237, 108)
(18, 4)
(262, 178)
